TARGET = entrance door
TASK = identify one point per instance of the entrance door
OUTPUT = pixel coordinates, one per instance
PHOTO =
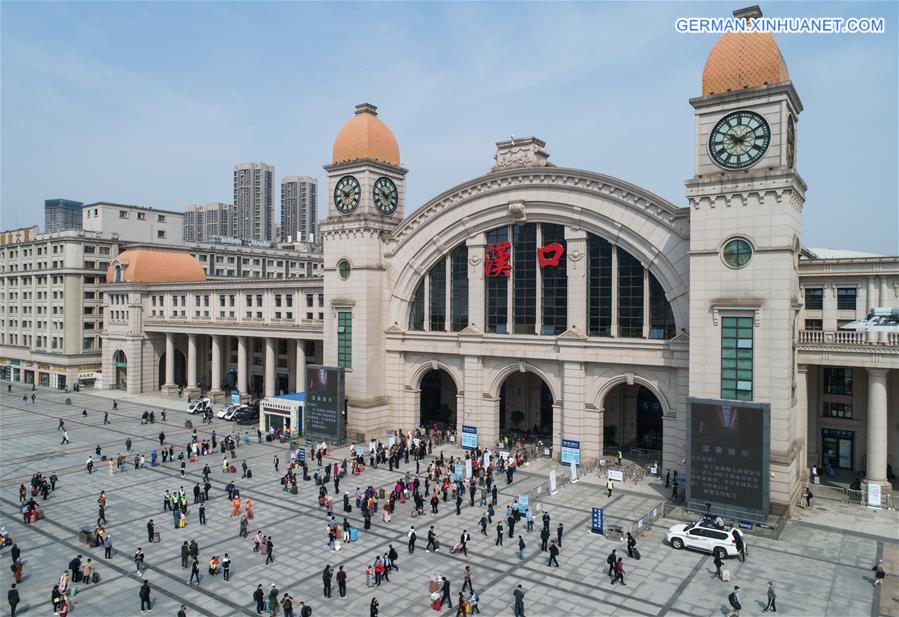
(837, 448)
(282, 383)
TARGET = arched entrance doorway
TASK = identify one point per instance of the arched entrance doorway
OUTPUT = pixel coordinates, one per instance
(120, 362)
(437, 402)
(526, 407)
(632, 418)
(180, 369)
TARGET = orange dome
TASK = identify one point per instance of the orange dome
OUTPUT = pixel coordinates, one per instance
(139, 266)
(366, 137)
(743, 60)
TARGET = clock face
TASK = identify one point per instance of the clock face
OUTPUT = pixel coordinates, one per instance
(739, 140)
(386, 196)
(347, 194)
(791, 142)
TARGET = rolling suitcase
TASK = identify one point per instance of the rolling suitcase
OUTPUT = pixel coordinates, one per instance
(636, 554)
(354, 534)
(725, 575)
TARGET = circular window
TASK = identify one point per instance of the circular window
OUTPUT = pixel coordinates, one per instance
(343, 269)
(737, 253)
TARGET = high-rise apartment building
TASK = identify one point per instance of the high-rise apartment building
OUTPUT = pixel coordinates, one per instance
(61, 215)
(254, 192)
(203, 222)
(299, 208)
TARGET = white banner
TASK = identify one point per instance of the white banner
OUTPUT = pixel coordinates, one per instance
(616, 475)
(552, 483)
(873, 495)
(467, 468)
(573, 473)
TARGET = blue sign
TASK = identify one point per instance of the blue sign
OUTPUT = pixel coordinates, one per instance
(302, 456)
(469, 438)
(596, 521)
(571, 452)
(523, 502)
(235, 397)
(745, 525)
(458, 471)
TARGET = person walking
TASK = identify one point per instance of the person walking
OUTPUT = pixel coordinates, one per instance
(276, 462)
(139, 561)
(619, 571)
(446, 599)
(105, 417)
(466, 575)
(151, 529)
(270, 556)
(612, 559)
(609, 486)
(879, 573)
(194, 572)
(273, 600)
(65, 437)
(544, 538)
(432, 540)
(519, 601)
(553, 553)
(499, 533)
(559, 531)
(341, 581)
(326, 579)
(719, 563)
(734, 600)
(226, 567)
(372, 608)
(185, 553)
(520, 547)
(412, 538)
(772, 599)
(145, 597)
(741, 545)
(12, 596)
(631, 544)
(107, 547)
(259, 598)
(202, 513)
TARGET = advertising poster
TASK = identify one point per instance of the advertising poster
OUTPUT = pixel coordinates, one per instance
(469, 438)
(324, 415)
(596, 521)
(468, 470)
(458, 471)
(523, 502)
(552, 483)
(571, 452)
(616, 475)
(728, 455)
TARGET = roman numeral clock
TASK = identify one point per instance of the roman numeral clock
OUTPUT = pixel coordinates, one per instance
(739, 140)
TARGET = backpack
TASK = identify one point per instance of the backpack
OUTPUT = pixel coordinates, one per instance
(732, 598)
(306, 612)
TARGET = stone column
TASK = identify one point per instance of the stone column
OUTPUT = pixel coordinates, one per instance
(269, 367)
(169, 386)
(192, 389)
(877, 427)
(216, 392)
(576, 256)
(242, 367)
(802, 421)
(476, 250)
(301, 366)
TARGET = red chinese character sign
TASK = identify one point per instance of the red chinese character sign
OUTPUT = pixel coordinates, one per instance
(497, 261)
(550, 254)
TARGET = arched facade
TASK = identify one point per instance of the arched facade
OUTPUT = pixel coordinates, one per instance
(566, 315)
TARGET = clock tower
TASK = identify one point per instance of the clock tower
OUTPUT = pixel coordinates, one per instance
(366, 188)
(746, 199)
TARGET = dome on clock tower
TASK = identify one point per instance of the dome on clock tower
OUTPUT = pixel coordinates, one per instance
(366, 137)
(743, 60)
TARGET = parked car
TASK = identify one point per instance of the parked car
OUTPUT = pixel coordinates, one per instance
(234, 409)
(705, 538)
(245, 415)
(199, 406)
(227, 409)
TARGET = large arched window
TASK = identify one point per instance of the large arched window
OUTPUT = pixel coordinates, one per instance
(526, 288)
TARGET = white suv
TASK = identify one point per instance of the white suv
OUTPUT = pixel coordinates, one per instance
(703, 538)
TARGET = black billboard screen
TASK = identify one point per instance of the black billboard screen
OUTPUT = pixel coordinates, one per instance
(323, 412)
(728, 455)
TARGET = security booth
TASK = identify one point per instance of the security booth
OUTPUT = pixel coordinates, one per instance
(282, 415)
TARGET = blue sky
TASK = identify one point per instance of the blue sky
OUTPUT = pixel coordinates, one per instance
(153, 103)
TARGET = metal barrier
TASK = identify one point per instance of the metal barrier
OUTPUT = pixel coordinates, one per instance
(845, 495)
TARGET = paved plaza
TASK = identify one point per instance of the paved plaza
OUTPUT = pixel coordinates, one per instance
(818, 568)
